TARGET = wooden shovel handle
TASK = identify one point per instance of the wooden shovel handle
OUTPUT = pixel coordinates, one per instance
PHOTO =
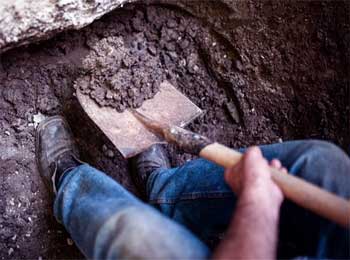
(303, 193)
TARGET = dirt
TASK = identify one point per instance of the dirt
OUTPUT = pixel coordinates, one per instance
(121, 76)
(263, 71)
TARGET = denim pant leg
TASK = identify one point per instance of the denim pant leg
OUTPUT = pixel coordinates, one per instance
(107, 222)
(197, 196)
(302, 232)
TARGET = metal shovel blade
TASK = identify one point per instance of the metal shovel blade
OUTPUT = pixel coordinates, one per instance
(126, 132)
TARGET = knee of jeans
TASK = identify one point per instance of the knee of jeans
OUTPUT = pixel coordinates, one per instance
(142, 232)
(139, 219)
(123, 233)
(322, 157)
(323, 150)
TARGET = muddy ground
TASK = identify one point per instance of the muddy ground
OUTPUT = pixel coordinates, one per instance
(263, 72)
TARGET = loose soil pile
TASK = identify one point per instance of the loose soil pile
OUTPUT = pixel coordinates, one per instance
(120, 76)
(263, 72)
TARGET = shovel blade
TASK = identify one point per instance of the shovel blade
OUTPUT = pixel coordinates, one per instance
(126, 132)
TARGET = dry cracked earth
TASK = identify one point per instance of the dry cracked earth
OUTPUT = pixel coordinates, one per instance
(263, 72)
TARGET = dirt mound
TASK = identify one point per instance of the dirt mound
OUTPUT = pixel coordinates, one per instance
(124, 70)
(119, 76)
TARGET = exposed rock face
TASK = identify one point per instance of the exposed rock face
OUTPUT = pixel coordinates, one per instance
(25, 21)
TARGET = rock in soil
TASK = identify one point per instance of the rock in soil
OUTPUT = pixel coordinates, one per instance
(27, 21)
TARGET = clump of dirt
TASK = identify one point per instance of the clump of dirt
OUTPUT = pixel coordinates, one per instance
(263, 72)
(121, 76)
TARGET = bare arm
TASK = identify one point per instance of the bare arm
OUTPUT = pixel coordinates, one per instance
(253, 230)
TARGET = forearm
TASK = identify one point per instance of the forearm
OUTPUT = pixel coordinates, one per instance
(252, 233)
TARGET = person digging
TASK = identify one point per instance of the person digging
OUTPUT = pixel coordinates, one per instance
(191, 210)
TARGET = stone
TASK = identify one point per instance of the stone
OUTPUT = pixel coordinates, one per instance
(37, 118)
(238, 64)
(137, 24)
(70, 242)
(110, 154)
(171, 23)
(10, 251)
(184, 44)
(152, 50)
(109, 94)
(27, 21)
(233, 111)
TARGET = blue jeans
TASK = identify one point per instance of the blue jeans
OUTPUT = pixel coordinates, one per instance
(189, 208)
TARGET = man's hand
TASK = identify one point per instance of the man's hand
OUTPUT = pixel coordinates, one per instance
(251, 179)
(253, 231)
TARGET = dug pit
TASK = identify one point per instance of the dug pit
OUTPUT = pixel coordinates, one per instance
(263, 72)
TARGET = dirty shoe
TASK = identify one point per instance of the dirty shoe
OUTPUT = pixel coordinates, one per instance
(55, 150)
(147, 162)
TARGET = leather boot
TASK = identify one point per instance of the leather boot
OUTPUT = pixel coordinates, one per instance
(147, 162)
(56, 152)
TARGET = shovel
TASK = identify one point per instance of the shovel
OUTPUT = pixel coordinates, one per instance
(162, 118)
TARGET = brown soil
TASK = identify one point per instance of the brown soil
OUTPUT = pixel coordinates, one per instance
(263, 72)
(121, 76)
